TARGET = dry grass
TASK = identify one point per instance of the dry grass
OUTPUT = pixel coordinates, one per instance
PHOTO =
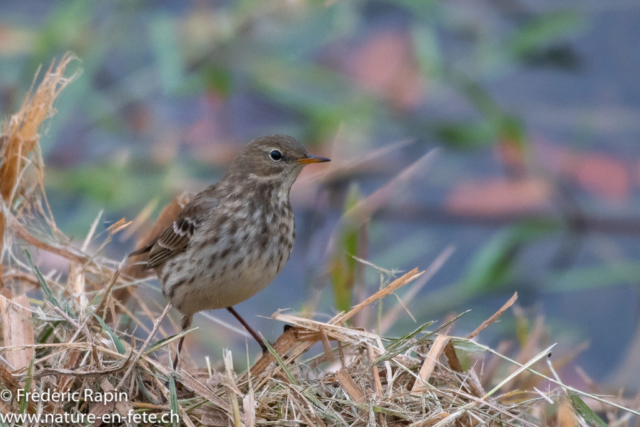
(69, 339)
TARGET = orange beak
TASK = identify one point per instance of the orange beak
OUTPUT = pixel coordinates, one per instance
(312, 159)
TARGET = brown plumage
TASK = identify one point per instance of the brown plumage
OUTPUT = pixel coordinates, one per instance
(234, 237)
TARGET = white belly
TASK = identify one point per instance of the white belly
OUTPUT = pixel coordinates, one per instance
(219, 282)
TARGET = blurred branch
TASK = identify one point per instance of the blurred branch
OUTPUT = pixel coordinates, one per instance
(435, 214)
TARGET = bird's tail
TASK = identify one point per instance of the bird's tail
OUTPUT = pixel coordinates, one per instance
(142, 250)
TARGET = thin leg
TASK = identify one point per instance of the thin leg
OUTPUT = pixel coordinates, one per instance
(248, 328)
(186, 322)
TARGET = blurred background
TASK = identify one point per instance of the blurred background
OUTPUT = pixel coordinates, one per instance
(507, 129)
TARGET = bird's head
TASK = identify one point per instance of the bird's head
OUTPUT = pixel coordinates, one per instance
(277, 158)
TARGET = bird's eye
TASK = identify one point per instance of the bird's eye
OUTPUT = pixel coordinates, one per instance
(275, 155)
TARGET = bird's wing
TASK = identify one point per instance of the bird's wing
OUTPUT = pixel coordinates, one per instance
(175, 238)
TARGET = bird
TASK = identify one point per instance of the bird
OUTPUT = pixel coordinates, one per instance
(234, 237)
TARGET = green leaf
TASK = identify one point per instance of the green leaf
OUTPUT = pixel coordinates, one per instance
(174, 400)
(281, 362)
(410, 335)
(344, 264)
(401, 344)
(144, 390)
(444, 325)
(116, 341)
(542, 30)
(494, 265)
(467, 135)
(46, 333)
(24, 403)
(523, 328)
(219, 80)
(600, 276)
(585, 412)
(512, 131)
(46, 290)
(468, 346)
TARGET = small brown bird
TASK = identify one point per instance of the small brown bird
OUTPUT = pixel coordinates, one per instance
(233, 238)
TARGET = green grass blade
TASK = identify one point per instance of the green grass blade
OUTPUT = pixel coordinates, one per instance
(24, 403)
(174, 400)
(446, 324)
(144, 390)
(46, 333)
(401, 344)
(593, 277)
(116, 341)
(585, 412)
(281, 363)
(46, 290)
(467, 346)
(167, 340)
(343, 263)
